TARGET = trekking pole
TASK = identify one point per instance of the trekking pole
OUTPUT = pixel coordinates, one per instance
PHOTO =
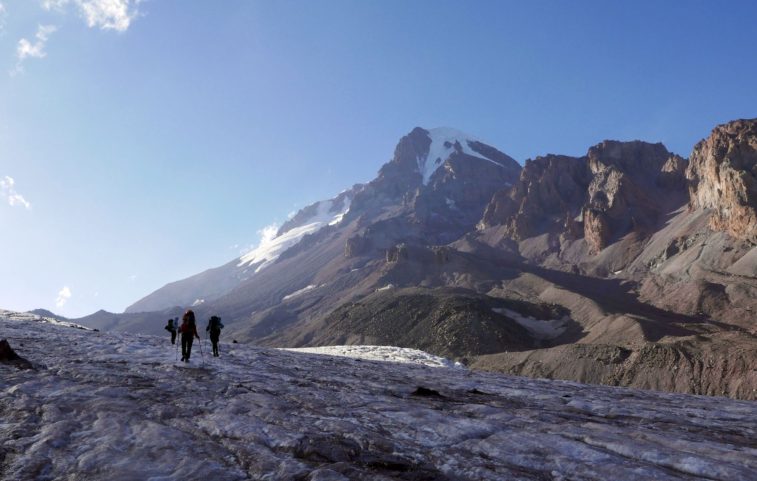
(176, 359)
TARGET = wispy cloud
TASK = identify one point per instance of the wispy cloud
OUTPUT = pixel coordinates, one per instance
(63, 296)
(115, 15)
(26, 49)
(103, 14)
(268, 233)
(3, 16)
(8, 192)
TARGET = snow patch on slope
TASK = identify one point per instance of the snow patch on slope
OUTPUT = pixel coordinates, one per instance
(381, 353)
(539, 328)
(445, 142)
(299, 292)
(271, 247)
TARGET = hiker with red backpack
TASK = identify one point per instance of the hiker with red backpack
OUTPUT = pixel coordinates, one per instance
(188, 331)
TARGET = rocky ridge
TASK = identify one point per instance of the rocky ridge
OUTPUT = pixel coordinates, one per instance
(723, 177)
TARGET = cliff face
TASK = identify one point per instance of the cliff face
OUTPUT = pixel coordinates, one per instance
(550, 189)
(723, 177)
(622, 192)
(613, 190)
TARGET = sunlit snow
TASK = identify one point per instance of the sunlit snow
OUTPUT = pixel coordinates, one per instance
(443, 141)
(381, 353)
(271, 248)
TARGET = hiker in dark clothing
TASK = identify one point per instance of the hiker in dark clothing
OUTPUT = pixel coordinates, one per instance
(214, 326)
(171, 327)
(188, 331)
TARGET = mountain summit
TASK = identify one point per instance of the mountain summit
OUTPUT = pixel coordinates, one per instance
(439, 176)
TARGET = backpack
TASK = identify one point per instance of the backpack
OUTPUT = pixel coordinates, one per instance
(187, 327)
(215, 325)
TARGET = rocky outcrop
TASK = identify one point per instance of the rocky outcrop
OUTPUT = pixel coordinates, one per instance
(723, 177)
(9, 356)
(357, 245)
(673, 173)
(596, 229)
(397, 253)
(550, 189)
(622, 194)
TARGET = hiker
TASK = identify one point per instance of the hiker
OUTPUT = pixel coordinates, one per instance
(214, 326)
(171, 327)
(188, 331)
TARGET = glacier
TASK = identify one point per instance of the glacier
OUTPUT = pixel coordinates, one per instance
(119, 407)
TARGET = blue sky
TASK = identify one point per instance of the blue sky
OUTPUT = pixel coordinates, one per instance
(142, 142)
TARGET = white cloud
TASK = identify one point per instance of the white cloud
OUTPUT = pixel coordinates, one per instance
(103, 14)
(27, 49)
(37, 49)
(8, 191)
(63, 296)
(54, 4)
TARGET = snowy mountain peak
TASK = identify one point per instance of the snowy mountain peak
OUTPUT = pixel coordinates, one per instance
(445, 141)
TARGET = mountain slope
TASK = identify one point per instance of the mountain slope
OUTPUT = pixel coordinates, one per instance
(626, 249)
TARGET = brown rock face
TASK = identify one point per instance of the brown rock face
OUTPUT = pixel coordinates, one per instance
(550, 189)
(596, 229)
(673, 173)
(617, 188)
(723, 177)
(624, 195)
(636, 159)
